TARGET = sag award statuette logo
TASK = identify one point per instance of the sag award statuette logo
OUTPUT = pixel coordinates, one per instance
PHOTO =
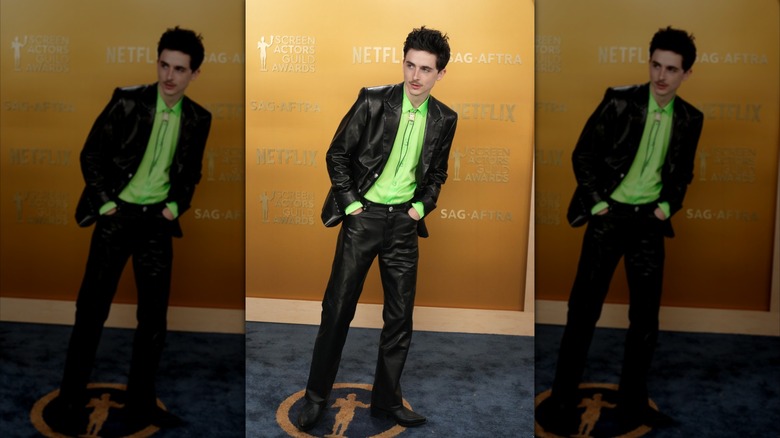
(288, 53)
(102, 416)
(597, 415)
(347, 415)
(287, 207)
(41, 53)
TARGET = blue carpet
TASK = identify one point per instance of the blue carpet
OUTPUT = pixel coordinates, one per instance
(201, 377)
(713, 385)
(467, 385)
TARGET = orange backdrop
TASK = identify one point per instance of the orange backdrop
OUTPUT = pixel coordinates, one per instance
(306, 61)
(60, 63)
(722, 255)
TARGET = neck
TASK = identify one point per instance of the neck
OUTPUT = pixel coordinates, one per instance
(416, 101)
(171, 101)
(662, 101)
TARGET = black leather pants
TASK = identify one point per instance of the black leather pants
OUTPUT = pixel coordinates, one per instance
(391, 235)
(146, 236)
(635, 234)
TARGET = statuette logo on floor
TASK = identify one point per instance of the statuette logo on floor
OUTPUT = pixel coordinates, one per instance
(100, 417)
(348, 414)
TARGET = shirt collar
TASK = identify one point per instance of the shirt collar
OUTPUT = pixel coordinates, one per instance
(421, 110)
(161, 106)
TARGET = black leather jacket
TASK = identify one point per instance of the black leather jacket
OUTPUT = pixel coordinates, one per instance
(362, 144)
(117, 142)
(609, 142)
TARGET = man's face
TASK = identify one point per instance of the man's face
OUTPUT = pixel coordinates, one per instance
(174, 74)
(420, 75)
(666, 75)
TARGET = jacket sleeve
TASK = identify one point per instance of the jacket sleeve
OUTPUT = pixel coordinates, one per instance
(96, 154)
(428, 193)
(189, 159)
(345, 141)
(678, 173)
(589, 153)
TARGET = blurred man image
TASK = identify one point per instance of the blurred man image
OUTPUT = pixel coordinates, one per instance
(633, 163)
(141, 162)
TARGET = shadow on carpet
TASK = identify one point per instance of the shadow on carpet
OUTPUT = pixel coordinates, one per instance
(466, 385)
(201, 377)
(714, 385)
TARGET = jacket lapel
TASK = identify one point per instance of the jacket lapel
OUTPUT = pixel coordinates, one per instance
(149, 105)
(188, 120)
(391, 118)
(680, 120)
(638, 114)
(674, 139)
(144, 120)
(432, 132)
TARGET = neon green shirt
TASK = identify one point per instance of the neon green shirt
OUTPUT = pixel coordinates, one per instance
(642, 184)
(397, 183)
(151, 181)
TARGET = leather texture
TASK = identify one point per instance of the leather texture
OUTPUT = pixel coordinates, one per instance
(609, 142)
(147, 237)
(601, 159)
(362, 144)
(111, 154)
(392, 237)
(639, 239)
(117, 142)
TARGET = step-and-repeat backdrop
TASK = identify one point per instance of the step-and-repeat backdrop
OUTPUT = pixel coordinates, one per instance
(306, 61)
(722, 255)
(60, 63)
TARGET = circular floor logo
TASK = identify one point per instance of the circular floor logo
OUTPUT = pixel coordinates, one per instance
(597, 414)
(98, 418)
(348, 414)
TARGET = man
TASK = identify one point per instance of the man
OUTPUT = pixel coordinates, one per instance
(387, 162)
(633, 162)
(141, 162)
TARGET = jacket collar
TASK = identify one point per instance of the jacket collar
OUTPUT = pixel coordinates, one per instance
(392, 117)
(149, 101)
(394, 102)
(680, 119)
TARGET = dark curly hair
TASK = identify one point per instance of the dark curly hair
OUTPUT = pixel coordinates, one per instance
(431, 41)
(677, 41)
(185, 41)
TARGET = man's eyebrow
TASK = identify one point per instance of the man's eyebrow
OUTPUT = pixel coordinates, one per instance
(426, 67)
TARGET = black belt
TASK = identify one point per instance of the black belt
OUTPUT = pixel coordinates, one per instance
(369, 205)
(633, 209)
(140, 208)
